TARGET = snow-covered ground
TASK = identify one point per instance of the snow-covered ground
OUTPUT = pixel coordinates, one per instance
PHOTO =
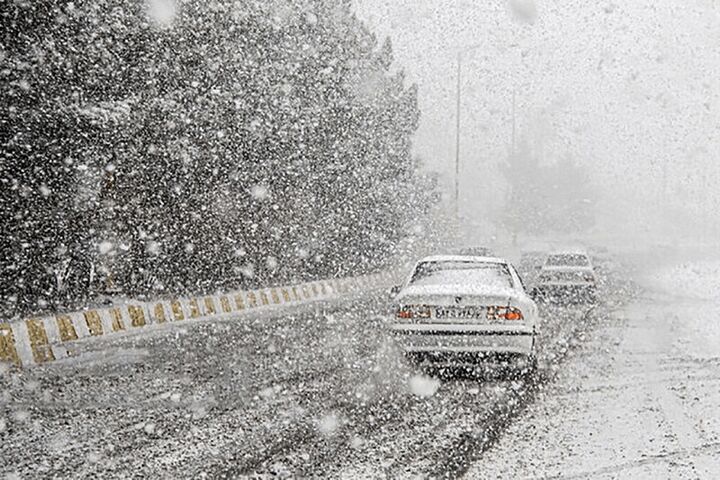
(640, 400)
(315, 392)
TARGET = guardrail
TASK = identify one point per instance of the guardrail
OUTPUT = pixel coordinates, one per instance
(45, 339)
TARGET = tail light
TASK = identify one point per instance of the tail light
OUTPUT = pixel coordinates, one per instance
(504, 313)
(404, 313)
(413, 311)
(513, 314)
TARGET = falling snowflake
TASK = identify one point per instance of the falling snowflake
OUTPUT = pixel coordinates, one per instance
(271, 263)
(152, 247)
(105, 247)
(260, 192)
(329, 424)
(162, 12)
(423, 386)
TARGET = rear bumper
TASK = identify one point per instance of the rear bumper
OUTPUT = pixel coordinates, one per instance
(464, 339)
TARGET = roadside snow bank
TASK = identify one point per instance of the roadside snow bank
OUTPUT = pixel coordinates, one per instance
(692, 280)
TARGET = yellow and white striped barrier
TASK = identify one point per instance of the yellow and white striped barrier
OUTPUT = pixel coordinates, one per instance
(41, 340)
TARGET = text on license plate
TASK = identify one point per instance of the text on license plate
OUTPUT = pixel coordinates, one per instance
(460, 312)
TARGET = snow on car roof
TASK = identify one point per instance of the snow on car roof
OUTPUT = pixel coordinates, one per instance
(462, 258)
(569, 251)
(567, 268)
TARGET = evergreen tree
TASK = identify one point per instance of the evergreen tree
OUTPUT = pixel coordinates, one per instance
(229, 144)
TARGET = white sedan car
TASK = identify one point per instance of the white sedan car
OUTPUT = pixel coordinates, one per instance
(463, 310)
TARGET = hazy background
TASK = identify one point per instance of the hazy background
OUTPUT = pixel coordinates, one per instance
(629, 89)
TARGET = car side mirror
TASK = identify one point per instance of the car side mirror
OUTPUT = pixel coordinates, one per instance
(394, 290)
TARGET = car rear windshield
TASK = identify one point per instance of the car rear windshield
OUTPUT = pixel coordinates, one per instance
(463, 273)
(568, 260)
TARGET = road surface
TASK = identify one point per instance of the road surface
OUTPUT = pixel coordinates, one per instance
(319, 392)
(640, 399)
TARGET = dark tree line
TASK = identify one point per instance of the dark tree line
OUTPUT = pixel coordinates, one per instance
(238, 143)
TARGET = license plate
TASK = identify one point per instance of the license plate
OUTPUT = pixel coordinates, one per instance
(460, 312)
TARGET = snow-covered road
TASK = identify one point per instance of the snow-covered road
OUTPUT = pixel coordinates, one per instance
(315, 392)
(641, 399)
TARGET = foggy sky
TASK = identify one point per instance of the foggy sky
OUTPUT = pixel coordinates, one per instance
(629, 88)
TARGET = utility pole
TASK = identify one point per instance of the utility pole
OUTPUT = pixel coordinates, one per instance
(457, 138)
(512, 147)
(458, 103)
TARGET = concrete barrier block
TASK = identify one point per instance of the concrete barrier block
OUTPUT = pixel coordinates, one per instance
(209, 307)
(225, 304)
(65, 328)
(274, 296)
(8, 350)
(160, 312)
(137, 315)
(39, 343)
(193, 307)
(252, 300)
(118, 319)
(239, 301)
(178, 312)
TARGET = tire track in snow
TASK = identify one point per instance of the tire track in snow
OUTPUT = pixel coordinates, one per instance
(473, 443)
(432, 431)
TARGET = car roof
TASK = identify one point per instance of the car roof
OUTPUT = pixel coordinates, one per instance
(567, 268)
(569, 251)
(462, 258)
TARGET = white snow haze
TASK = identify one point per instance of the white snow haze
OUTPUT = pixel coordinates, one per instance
(628, 89)
(360, 239)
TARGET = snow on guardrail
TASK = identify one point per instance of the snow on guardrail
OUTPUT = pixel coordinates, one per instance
(45, 339)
